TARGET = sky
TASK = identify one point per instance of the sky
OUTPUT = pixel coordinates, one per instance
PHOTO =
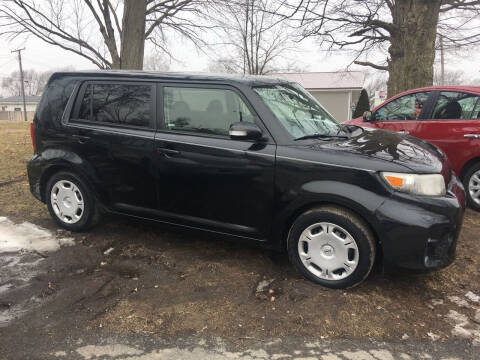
(40, 56)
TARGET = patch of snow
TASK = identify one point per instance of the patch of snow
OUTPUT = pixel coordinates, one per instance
(22, 248)
(472, 297)
(115, 350)
(5, 287)
(108, 251)
(457, 318)
(357, 355)
(463, 327)
(28, 237)
(436, 302)
(262, 285)
(433, 336)
(458, 301)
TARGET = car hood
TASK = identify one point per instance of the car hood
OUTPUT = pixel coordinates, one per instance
(382, 150)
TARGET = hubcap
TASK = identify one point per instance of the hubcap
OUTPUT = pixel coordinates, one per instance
(474, 187)
(328, 251)
(67, 201)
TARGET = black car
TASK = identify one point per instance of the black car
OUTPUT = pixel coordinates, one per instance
(249, 157)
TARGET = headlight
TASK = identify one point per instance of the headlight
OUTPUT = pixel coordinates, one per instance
(429, 184)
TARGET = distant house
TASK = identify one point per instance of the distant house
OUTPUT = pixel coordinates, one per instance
(11, 108)
(338, 92)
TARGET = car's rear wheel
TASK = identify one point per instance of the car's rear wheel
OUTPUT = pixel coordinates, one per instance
(332, 247)
(471, 182)
(70, 203)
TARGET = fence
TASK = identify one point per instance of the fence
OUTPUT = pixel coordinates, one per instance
(15, 115)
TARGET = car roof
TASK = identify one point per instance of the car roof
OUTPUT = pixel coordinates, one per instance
(251, 80)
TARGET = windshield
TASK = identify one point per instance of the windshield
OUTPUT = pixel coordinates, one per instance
(298, 111)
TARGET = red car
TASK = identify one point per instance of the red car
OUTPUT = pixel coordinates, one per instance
(446, 116)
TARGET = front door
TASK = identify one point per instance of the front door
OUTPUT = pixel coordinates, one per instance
(454, 126)
(401, 114)
(112, 128)
(204, 178)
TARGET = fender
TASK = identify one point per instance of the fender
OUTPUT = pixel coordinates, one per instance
(53, 160)
(316, 193)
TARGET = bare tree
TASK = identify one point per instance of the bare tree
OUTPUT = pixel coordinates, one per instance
(34, 82)
(156, 62)
(375, 81)
(404, 29)
(109, 33)
(251, 34)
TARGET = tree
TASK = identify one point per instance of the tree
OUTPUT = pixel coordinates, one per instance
(363, 104)
(155, 62)
(405, 29)
(250, 32)
(375, 81)
(34, 82)
(109, 33)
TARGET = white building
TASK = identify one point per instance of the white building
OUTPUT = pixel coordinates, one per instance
(338, 92)
(11, 108)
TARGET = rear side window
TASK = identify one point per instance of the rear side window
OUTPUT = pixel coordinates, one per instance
(117, 104)
(202, 110)
(456, 105)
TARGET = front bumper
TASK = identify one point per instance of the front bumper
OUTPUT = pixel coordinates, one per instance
(420, 233)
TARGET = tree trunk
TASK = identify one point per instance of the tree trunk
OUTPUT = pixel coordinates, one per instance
(412, 49)
(133, 35)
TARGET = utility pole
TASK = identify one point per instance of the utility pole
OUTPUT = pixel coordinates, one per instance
(442, 62)
(19, 51)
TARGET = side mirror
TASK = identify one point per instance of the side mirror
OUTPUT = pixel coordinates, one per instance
(368, 116)
(245, 131)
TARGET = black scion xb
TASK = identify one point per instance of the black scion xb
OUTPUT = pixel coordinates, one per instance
(252, 158)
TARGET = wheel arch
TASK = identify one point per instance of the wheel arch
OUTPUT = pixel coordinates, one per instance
(468, 165)
(61, 160)
(356, 209)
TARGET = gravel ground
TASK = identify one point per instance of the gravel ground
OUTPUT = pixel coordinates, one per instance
(141, 286)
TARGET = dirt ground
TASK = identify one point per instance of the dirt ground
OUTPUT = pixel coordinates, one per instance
(171, 284)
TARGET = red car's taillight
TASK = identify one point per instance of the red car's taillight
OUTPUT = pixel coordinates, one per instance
(32, 135)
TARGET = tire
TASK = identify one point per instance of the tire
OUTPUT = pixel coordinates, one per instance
(471, 183)
(340, 249)
(72, 204)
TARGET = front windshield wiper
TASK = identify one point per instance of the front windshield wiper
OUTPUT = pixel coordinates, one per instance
(321, 136)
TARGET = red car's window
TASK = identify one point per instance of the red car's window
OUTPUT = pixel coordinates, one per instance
(456, 105)
(407, 107)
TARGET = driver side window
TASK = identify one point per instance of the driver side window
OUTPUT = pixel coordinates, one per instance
(404, 108)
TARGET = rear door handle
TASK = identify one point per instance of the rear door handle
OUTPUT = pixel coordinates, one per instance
(82, 139)
(167, 152)
(472, 136)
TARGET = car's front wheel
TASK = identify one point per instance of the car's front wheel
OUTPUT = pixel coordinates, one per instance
(471, 182)
(332, 247)
(70, 203)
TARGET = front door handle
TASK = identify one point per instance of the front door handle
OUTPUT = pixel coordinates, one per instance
(167, 152)
(403, 132)
(82, 139)
(472, 136)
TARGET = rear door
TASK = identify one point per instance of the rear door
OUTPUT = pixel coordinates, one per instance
(204, 178)
(112, 128)
(401, 114)
(454, 126)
